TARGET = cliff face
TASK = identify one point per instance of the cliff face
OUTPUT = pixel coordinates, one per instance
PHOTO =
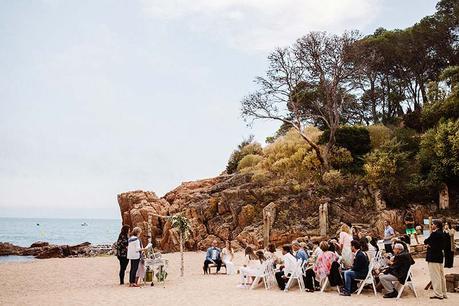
(230, 207)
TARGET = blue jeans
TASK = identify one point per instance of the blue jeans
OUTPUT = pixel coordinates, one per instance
(349, 277)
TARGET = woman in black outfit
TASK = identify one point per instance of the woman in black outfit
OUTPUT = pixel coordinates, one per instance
(121, 251)
(450, 245)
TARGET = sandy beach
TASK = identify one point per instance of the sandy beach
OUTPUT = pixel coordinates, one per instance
(93, 281)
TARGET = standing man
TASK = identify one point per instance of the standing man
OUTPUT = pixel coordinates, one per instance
(434, 258)
(213, 256)
(389, 233)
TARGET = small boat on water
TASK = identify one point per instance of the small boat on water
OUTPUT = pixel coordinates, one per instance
(84, 224)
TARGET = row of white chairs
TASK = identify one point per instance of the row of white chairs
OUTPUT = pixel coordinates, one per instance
(266, 275)
(370, 280)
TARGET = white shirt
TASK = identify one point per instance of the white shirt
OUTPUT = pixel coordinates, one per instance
(290, 263)
(133, 251)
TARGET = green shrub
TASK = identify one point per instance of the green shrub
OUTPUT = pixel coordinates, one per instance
(389, 170)
(354, 138)
(439, 152)
(379, 135)
(340, 158)
(249, 161)
(247, 147)
(446, 109)
(290, 156)
(408, 140)
(333, 178)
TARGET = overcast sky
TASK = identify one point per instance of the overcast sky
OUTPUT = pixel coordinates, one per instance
(102, 97)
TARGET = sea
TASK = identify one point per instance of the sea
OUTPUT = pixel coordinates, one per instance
(25, 231)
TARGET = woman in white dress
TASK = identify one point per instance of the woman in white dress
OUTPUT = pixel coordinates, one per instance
(227, 258)
(252, 266)
(345, 239)
(270, 254)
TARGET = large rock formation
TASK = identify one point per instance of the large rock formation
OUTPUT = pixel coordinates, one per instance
(234, 207)
(230, 207)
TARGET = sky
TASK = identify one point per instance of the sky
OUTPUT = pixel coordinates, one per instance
(102, 97)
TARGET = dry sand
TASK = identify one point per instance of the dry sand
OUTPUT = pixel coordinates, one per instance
(93, 281)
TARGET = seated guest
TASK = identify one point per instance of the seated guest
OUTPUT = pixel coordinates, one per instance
(300, 253)
(317, 251)
(324, 261)
(213, 257)
(252, 265)
(287, 268)
(270, 254)
(359, 268)
(227, 256)
(334, 246)
(321, 268)
(397, 270)
(371, 248)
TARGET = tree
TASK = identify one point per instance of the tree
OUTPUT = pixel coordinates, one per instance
(183, 226)
(307, 83)
(439, 153)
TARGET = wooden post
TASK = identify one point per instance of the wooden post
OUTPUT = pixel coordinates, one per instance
(443, 199)
(149, 230)
(323, 219)
(181, 254)
(269, 215)
(266, 228)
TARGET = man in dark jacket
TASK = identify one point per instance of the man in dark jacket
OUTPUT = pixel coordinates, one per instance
(359, 269)
(434, 258)
(397, 271)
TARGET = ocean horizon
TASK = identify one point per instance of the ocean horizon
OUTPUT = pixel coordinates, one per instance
(25, 231)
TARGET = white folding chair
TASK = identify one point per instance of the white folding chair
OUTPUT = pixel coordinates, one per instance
(369, 279)
(408, 282)
(325, 284)
(263, 275)
(296, 274)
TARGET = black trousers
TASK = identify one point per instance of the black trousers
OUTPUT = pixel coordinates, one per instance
(388, 248)
(281, 281)
(133, 272)
(449, 258)
(309, 280)
(123, 265)
(218, 262)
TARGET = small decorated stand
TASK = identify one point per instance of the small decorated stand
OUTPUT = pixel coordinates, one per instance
(157, 265)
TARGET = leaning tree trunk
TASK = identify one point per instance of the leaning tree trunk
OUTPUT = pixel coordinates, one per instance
(181, 254)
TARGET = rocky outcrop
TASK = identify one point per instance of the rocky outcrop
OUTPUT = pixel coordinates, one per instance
(137, 206)
(230, 207)
(44, 250)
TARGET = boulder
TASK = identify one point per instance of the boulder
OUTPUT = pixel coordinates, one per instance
(39, 244)
(7, 248)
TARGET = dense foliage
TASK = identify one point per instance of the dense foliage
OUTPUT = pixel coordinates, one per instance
(246, 147)
(385, 108)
